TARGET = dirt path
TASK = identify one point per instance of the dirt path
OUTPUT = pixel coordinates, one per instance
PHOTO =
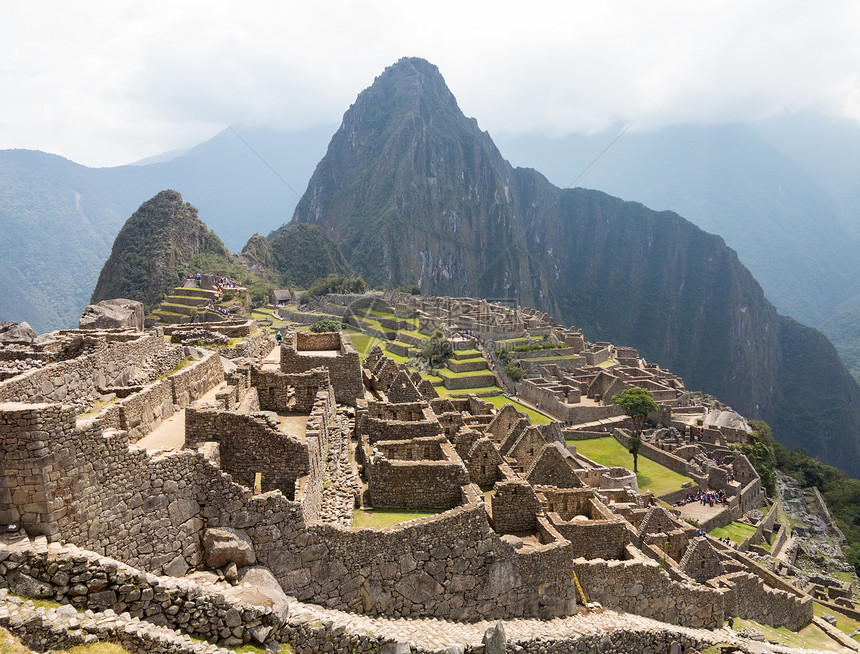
(170, 434)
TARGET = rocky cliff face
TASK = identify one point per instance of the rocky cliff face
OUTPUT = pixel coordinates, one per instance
(414, 192)
(161, 236)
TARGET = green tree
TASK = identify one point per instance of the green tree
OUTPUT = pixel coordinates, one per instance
(438, 349)
(759, 450)
(637, 403)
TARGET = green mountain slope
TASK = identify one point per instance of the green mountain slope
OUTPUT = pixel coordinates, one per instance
(150, 250)
(296, 255)
(415, 192)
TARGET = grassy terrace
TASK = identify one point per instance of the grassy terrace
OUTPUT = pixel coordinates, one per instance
(445, 372)
(843, 622)
(365, 342)
(737, 532)
(382, 314)
(380, 518)
(651, 476)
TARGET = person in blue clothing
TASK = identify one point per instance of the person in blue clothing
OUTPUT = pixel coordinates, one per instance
(278, 337)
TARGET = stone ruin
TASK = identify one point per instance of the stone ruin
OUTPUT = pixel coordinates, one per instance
(281, 457)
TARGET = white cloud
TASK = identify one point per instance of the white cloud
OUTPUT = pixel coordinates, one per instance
(124, 80)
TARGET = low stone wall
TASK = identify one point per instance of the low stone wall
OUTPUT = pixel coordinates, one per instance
(142, 412)
(254, 346)
(779, 542)
(747, 597)
(196, 380)
(573, 435)
(594, 539)
(378, 429)
(76, 379)
(470, 381)
(344, 369)
(466, 366)
(640, 586)
(229, 328)
(89, 581)
(546, 354)
(415, 484)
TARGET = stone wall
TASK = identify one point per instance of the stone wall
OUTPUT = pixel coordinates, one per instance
(76, 379)
(344, 369)
(89, 487)
(254, 346)
(377, 429)
(278, 391)
(451, 565)
(514, 507)
(249, 446)
(640, 586)
(229, 328)
(196, 380)
(86, 580)
(399, 477)
(747, 597)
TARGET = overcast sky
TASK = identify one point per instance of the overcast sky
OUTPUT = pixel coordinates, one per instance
(106, 83)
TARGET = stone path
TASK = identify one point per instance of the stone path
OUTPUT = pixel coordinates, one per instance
(696, 511)
(272, 361)
(340, 482)
(170, 434)
(432, 634)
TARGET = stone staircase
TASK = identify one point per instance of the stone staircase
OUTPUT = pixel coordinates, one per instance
(180, 306)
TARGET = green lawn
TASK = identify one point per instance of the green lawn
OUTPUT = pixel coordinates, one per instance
(380, 518)
(536, 416)
(364, 343)
(651, 476)
(737, 532)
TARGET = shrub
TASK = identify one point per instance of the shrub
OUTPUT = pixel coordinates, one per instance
(326, 326)
(515, 371)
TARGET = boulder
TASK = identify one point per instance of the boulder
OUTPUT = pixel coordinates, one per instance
(12, 333)
(113, 314)
(223, 545)
(494, 639)
(258, 586)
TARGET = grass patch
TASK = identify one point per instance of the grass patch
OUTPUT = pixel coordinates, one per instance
(737, 532)
(101, 647)
(651, 476)
(536, 416)
(364, 344)
(607, 364)
(459, 355)
(469, 373)
(381, 518)
(11, 645)
(847, 577)
(463, 392)
(810, 637)
(843, 622)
